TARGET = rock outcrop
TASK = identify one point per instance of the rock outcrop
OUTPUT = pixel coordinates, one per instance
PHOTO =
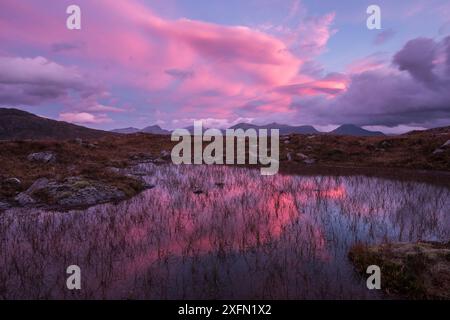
(72, 192)
(43, 157)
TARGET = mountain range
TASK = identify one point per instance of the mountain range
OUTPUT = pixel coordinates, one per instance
(284, 129)
(344, 130)
(150, 129)
(18, 124)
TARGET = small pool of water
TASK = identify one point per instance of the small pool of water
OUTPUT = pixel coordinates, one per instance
(210, 232)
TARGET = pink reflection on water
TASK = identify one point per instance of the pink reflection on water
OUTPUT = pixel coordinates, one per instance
(270, 237)
(240, 217)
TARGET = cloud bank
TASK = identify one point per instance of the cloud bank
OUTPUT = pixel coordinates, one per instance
(128, 61)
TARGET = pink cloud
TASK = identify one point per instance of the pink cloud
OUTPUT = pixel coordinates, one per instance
(331, 84)
(124, 43)
(84, 118)
(34, 70)
(313, 34)
(370, 63)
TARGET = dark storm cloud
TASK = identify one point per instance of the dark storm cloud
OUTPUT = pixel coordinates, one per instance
(414, 90)
(417, 57)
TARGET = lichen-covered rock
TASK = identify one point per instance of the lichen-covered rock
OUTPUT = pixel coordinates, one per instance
(4, 205)
(37, 185)
(165, 155)
(23, 199)
(309, 161)
(78, 192)
(13, 181)
(302, 156)
(43, 157)
(87, 196)
(385, 144)
(438, 151)
(72, 192)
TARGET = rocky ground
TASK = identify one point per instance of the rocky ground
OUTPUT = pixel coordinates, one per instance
(79, 173)
(408, 270)
(73, 174)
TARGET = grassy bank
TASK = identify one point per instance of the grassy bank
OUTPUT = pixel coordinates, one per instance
(408, 270)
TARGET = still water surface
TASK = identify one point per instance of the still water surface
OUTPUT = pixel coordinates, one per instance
(246, 236)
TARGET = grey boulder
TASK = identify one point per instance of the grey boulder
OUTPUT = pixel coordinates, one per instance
(43, 157)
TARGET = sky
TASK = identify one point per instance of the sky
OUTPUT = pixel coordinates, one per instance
(136, 63)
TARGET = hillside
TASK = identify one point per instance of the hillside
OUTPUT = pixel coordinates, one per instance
(21, 125)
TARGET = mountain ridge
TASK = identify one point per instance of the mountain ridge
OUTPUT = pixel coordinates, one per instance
(17, 124)
(154, 129)
(284, 128)
(22, 125)
(353, 130)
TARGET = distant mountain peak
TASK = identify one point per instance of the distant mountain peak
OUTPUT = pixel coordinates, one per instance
(353, 130)
(154, 129)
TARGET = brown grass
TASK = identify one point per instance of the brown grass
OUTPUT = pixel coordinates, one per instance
(89, 160)
(333, 154)
(415, 271)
